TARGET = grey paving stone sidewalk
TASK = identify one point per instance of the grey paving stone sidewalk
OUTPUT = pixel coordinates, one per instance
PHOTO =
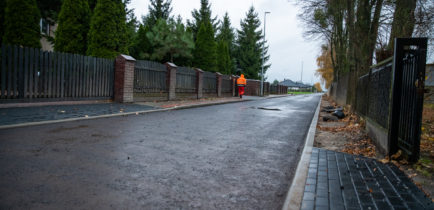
(342, 181)
(10, 116)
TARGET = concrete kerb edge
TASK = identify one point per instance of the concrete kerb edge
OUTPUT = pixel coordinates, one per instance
(296, 190)
(116, 115)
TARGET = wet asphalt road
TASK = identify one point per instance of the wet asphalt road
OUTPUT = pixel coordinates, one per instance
(232, 156)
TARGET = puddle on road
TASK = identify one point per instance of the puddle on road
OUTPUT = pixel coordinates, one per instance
(266, 108)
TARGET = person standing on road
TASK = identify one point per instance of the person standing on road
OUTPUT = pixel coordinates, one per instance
(241, 83)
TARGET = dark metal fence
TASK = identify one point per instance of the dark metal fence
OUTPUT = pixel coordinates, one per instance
(407, 98)
(209, 82)
(28, 73)
(150, 77)
(373, 91)
(186, 80)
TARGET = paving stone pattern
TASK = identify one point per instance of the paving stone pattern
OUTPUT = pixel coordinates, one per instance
(9, 116)
(342, 181)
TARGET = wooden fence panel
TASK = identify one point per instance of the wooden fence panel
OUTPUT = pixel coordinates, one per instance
(28, 73)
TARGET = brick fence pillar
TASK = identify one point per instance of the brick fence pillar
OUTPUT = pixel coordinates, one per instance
(199, 83)
(124, 79)
(219, 84)
(171, 80)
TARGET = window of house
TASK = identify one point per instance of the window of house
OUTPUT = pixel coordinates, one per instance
(45, 27)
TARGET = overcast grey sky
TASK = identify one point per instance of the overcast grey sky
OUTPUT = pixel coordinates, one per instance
(284, 32)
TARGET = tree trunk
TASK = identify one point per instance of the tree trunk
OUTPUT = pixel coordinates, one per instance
(403, 21)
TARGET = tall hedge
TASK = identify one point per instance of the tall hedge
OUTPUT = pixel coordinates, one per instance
(205, 51)
(21, 23)
(74, 21)
(2, 18)
(107, 34)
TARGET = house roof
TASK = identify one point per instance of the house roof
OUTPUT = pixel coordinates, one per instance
(290, 83)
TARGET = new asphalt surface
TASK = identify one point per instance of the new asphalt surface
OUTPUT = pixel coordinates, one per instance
(231, 156)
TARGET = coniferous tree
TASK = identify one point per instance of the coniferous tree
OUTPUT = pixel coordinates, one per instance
(224, 64)
(205, 51)
(142, 45)
(92, 4)
(132, 27)
(251, 47)
(226, 34)
(202, 16)
(158, 9)
(49, 9)
(170, 40)
(2, 18)
(74, 21)
(21, 23)
(107, 34)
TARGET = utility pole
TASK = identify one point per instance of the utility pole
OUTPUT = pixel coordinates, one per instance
(263, 57)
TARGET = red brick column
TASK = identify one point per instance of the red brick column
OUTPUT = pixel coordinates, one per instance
(124, 79)
(219, 84)
(171, 80)
(199, 83)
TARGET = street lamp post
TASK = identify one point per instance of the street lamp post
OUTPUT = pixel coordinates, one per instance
(263, 57)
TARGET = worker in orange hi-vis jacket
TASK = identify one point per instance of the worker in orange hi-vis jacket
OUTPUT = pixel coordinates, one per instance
(241, 83)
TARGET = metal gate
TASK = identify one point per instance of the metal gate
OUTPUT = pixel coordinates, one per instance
(407, 96)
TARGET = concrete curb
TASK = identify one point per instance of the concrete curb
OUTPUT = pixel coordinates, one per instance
(295, 193)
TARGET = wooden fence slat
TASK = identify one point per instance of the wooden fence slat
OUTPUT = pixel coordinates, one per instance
(55, 71)
(78, 76)
(10, 71)
(3, 71)
(101, 77)
(50, 74)
(56, 64)
(94, 80)
(54, 75)
(72, 72)
(90, 76)
(86, 76)
(62, 76)
(107, 76)
(21, 69)
(75, 75)
(15, 69)
(36, 75)
(97, 77)
(81, 76)
(45, 68)
(26, 72)
(110, 75)
(31, 68)
(58, 73)
(96, 85)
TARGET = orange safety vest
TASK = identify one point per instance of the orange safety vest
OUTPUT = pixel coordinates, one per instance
(241, 81)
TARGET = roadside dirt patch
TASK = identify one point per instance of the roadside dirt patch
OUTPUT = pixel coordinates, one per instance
(342, 135)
